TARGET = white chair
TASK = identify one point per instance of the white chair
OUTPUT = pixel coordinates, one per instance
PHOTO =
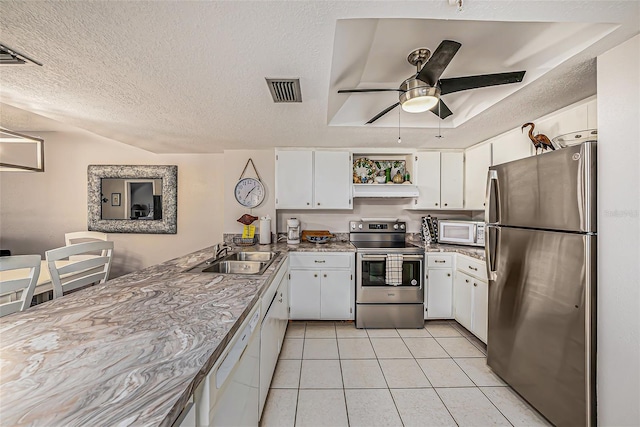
(84, 237)
(82, 272)
(25, 284)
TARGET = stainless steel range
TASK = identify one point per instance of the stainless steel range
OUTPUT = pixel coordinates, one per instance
(380, 247)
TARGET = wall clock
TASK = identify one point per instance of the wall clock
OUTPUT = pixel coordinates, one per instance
(250, 192)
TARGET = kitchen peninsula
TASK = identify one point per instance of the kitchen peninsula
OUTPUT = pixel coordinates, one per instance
(131, 351)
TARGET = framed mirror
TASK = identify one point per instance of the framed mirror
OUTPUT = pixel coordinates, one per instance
(133, 199)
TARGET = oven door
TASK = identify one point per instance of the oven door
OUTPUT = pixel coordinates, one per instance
(372, 287)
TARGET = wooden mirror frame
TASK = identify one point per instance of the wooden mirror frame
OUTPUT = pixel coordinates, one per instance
(169, 175)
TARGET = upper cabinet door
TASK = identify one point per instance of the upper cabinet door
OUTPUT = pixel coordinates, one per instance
(332, 180)
(294, 179)
(427, 179)
(451, 180)
(510, 146)
(477, 162)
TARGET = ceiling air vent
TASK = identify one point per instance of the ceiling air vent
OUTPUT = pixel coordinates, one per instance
(9, 56)
(285, 90)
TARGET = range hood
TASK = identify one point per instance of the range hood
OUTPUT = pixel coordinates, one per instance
(385, 190)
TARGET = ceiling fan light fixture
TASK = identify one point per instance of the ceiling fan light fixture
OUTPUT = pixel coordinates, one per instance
(418, 96)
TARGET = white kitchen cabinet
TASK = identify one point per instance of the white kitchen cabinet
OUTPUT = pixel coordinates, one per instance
(335, 295)
(462, 298)
(313, 179)
(439, 178)
(322, 286)
(275, 304)
(294, 179)
(304, 294)
(480, 317)
(439, 287)
(569, 120)
(476, 165)
(427, 179)
(332, 177)
(451, 180)
(470, 296)
(510, 146)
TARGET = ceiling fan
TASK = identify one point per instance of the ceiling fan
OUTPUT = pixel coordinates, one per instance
(422, 91)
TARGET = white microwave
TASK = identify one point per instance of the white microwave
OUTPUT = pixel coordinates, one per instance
(470, 233)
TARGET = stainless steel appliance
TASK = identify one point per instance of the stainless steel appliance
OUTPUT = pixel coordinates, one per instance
(469, 233)
(541, 261)
(378, 303)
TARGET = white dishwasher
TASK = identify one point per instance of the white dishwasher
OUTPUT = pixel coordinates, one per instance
(229, 395)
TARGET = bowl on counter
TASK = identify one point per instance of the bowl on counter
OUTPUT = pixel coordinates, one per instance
(318, 239)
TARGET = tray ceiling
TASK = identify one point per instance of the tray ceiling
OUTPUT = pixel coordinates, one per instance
(189, 77)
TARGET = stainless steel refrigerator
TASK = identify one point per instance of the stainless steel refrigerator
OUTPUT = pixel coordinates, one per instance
(541, 262)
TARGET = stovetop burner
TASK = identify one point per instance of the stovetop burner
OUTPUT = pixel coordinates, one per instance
(381, 237)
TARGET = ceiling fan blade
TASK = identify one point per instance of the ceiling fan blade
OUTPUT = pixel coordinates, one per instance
(383, 112)
(367, 90)
(458, 84)
(435, 66)
(441, 110)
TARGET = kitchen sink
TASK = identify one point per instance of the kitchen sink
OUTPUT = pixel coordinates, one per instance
(237, 267)
(250, 256)
(251, 263)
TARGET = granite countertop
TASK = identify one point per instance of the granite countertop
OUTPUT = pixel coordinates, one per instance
(129, 352)
(330, 246)
(473, 252)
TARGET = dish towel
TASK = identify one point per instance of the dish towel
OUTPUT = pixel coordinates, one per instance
(393, 274)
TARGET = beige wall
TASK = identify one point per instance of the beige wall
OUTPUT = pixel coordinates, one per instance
(618, 328)
(234, 162)
(36, 209)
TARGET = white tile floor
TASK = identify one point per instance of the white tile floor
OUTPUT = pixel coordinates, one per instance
(332, 374)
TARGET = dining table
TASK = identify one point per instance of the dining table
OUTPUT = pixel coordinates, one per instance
(43, 286)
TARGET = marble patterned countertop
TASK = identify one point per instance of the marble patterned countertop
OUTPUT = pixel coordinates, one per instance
(132, 351)
(129, 352)
(471, 251)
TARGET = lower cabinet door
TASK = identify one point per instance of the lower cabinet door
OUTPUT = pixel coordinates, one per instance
(440, 293)
(269, 350)
(282, 312)
(480, 309)
(335, 298)
(304, 296)
(462, 299)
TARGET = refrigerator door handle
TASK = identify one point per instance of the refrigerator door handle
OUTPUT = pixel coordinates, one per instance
(491, 216)
(491, 239)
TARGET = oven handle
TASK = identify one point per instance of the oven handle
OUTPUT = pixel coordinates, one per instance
(379, 257)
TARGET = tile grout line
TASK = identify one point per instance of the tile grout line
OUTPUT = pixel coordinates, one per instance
(495, 406)
(344, 393)
(295, 413)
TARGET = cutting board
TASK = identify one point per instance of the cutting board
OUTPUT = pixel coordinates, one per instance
(317, 233)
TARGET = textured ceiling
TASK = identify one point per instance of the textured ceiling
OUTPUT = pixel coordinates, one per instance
(189, 76)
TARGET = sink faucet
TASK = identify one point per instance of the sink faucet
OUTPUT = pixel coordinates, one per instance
(219, 249)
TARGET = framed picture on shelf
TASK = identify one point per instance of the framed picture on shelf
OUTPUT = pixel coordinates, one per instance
(115, 199)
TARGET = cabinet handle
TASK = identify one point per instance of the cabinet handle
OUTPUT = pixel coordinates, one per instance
(315, 275)
(448, 274)
(446, 204)
(466, 280)
(319, 261)
(308, 203)
(475, 284)
(324, 275)
(440, 261)
(436, 204)
(318, 203)
(473, 268)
